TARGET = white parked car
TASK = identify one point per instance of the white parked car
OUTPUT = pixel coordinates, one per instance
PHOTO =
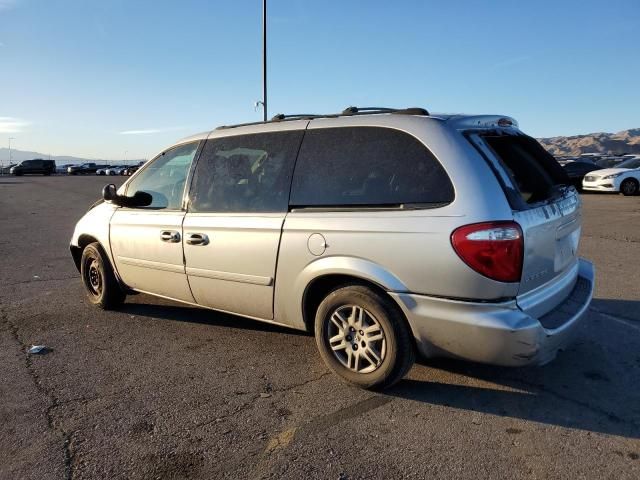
(624, 178)
(114, 170)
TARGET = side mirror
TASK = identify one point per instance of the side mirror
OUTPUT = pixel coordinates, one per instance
(139, 199)
(109, 193)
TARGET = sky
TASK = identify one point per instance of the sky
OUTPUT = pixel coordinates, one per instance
(123, 79)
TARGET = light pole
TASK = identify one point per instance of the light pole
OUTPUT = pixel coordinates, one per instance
(10, 138)
(125, 156)
(264, 60)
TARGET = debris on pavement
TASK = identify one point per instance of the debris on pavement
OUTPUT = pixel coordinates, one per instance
(38, 350)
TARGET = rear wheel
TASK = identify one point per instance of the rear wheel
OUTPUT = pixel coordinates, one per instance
(363, 337)
(98, 278)
(629, 187)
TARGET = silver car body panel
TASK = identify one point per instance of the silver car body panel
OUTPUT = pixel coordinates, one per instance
(143, 260)
(260, 265)
(495, 333)
(236, 270)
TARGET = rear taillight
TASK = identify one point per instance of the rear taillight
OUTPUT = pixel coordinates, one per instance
(494, 249)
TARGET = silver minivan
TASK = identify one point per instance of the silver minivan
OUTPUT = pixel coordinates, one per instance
(385, 232)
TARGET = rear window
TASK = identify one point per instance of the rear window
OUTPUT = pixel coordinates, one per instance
(367, 166)
(533, 171)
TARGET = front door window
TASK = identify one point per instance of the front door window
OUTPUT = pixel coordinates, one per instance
(165, 177)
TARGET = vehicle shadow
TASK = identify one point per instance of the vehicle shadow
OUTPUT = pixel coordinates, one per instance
(590, 386)
(625, 309)
(577, 390)
(532, 402)
(185, 313)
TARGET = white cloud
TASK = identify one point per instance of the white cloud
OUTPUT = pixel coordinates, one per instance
(12, 125)
(149, 131)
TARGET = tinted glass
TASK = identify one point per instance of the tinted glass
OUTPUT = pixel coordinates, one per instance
(165, 177)
(579, 168)
(631, 163)
(367, 166)
(245, 173)
(532, 169)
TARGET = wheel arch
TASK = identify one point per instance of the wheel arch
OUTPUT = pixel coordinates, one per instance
(332, 273)
(76, 250)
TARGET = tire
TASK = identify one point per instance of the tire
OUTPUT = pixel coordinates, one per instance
(629, 187)
(357, 343)
(100, 283)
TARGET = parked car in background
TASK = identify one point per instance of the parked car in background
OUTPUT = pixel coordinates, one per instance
(103, 170)
(115, 170)
(383, 231)
(62, 169)
(131, 169)
(5, 170)
(609, 162)
(35, 166)
(576, 171)
(624, 178)
(85, 168)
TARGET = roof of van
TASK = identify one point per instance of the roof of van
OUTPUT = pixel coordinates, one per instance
(456, 120)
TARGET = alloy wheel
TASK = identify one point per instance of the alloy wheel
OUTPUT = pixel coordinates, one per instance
(629, 187)
(356, 338)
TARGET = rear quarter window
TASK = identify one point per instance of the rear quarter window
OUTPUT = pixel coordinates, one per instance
(367, 166)
(531, 169)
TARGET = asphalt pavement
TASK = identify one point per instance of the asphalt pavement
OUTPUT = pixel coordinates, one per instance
(163, 390)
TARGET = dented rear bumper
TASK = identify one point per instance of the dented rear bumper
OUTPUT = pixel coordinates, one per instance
(497, 333)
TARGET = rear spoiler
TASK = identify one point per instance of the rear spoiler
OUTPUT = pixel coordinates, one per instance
(466, 122)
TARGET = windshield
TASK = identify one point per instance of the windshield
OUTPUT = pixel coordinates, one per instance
(631, 163)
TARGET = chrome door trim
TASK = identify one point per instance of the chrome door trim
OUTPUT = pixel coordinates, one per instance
(232, 277)
(167, 267)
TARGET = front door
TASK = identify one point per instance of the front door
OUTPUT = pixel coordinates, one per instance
(238, 201)
(147, 242)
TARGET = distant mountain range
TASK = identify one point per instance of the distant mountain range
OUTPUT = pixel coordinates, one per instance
(627, 141)
(20, 155)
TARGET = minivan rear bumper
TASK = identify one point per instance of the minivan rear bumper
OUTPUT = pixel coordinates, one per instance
(496, 333)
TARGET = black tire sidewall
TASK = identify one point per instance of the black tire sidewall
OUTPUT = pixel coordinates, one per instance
(90, 253)
(379, 307)
(112, 294)
(631, 181)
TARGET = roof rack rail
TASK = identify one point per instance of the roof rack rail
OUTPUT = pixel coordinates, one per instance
(364, 110)
(349, 111)
(369, 110)
(281, 116)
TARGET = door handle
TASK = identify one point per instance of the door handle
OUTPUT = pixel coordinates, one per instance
(197, 239)
(170, 236)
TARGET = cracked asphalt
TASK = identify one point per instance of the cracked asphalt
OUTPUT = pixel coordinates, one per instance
(161, 390)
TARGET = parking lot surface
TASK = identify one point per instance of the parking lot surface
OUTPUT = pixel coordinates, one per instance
(163, 390)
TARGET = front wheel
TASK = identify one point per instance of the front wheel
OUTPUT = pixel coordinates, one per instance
(363, 337)
(98, 278)
(629, 187)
